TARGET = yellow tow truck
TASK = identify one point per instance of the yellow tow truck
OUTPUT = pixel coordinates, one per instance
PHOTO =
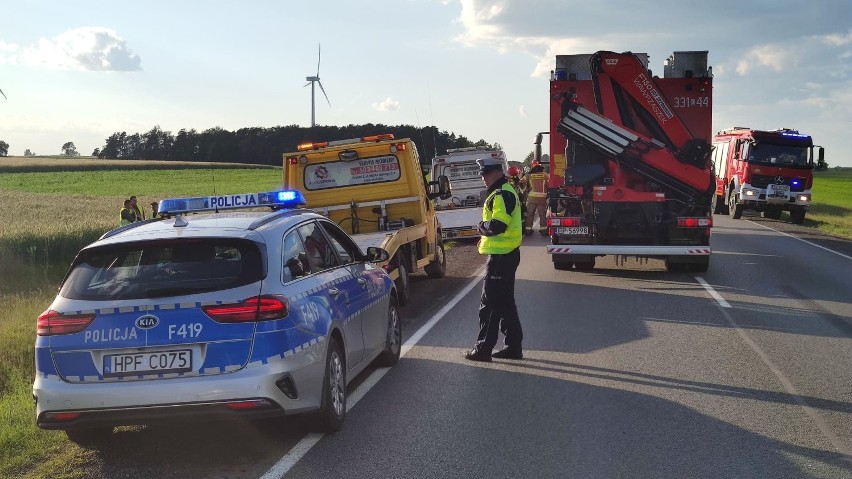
(373, 188)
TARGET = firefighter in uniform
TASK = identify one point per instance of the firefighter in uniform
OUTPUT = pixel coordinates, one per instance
(535, 183)
(501, 232)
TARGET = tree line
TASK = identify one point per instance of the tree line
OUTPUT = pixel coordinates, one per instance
(265, 145)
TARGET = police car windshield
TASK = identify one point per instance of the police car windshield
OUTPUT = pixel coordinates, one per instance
(163, 268)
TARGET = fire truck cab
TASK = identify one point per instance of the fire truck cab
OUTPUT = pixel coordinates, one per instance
(768, 171)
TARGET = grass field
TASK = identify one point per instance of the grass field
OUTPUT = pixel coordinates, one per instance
(50, 208)
(831, 211)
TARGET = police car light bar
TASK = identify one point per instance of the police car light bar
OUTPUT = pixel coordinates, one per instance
(272, 199)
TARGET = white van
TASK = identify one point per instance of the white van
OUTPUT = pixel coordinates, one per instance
(462, 211)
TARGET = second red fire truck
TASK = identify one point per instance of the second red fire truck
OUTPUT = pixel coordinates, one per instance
(769, 171)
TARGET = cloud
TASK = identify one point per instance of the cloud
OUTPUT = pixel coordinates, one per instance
(388, 104)
(776, 57)
(87, 48)
(838, 40)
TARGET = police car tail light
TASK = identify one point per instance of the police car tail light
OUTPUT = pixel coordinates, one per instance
(258, 308)
(51, 323)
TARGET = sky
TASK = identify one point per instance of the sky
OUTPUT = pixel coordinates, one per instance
(81, 71)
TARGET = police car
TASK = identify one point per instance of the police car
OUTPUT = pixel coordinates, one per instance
(221, 312)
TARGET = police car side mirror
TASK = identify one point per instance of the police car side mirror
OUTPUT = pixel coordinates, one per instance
(377, 255)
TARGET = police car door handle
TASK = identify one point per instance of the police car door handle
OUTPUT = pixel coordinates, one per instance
(333, 291)
(362, 282)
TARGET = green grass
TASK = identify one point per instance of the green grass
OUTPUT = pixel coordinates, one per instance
(831, 211)
(47, 213)
(151, 184)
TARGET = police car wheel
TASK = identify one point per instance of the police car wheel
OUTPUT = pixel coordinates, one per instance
(402, 290)
(90, 438)
(438, 267)
(333, 412)
(393, 342)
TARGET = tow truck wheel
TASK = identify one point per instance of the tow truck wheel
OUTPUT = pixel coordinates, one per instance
(333, 412)
(393, 342)
(797, 216)
(735, 211)
(90, 438)
(438, 267)
(402, 287)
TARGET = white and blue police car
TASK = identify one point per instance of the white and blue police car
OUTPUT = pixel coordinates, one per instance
(221, 312)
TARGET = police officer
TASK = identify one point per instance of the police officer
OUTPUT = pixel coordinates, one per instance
(501, 240)
(535, 183)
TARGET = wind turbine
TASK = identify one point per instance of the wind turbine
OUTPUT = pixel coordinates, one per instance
(4, 95)
(311, 81)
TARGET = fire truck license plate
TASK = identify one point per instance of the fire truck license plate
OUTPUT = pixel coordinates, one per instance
(140, 363)
(779, 190)
(573, 230)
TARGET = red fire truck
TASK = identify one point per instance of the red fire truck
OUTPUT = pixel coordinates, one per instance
(769, 171)
(630, 172)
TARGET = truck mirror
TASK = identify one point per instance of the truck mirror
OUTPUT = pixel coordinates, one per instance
(821, 157)
(537, 152)
(440, 188)
(444, 191)
(376, 254)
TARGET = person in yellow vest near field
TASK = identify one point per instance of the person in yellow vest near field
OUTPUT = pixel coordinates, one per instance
(126, 215)
(535, 183)
(140, 213)
(501, 235)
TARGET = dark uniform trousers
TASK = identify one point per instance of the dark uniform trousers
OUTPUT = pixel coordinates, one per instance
(497, 309)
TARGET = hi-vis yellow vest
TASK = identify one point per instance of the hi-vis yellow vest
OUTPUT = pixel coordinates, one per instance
(495, 208)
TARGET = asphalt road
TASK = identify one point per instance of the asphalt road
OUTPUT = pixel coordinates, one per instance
(630, 371)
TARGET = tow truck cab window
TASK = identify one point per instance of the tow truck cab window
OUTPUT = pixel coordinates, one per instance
(155, 269)
(320, 253)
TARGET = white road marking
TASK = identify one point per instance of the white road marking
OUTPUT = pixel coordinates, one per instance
(802, 240)
(303, 446)
(718, 297)
(826, 431)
